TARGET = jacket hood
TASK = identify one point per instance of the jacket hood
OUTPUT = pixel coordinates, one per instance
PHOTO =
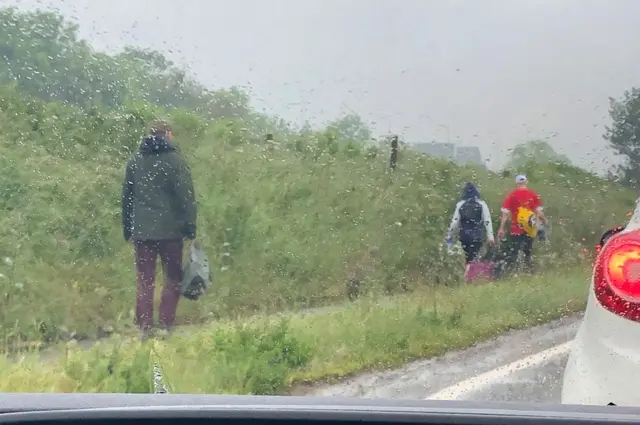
(470, 191)
(156, 145)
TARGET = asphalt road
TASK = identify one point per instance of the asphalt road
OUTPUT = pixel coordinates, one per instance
(523, 365)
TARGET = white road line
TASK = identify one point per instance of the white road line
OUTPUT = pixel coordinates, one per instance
(457, 391)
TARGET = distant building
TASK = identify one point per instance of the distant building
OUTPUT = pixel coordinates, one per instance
(438, 150)
(460, 155)
(469, 155)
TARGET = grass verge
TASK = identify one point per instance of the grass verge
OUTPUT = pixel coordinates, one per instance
(270, 354)
(285, 225)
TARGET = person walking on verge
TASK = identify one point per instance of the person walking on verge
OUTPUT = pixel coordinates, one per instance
(158, 213)
(473, 218)
(524, 207)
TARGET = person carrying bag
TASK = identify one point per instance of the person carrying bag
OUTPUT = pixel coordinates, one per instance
(472, 219)
(158, 214)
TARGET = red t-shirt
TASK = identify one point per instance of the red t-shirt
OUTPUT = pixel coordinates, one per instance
(520, 197)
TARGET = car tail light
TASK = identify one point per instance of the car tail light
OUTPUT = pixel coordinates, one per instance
(617, 275)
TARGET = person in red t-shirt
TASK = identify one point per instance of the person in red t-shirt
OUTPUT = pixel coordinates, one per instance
(518, 239)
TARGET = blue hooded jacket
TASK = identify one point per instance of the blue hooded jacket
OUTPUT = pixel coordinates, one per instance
(472, 227)
(470, 191)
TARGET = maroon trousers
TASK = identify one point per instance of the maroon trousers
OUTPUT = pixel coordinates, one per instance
(146, 253)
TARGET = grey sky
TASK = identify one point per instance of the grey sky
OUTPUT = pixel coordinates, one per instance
(495, 72)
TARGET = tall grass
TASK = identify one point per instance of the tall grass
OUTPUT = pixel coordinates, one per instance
(272, 354)
(284, 227)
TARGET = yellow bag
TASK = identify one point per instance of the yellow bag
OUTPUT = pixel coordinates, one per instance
(527, 221)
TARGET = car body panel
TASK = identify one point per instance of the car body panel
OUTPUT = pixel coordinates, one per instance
(604, 362)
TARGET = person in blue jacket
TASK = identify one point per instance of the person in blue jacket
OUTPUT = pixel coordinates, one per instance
(473, 220)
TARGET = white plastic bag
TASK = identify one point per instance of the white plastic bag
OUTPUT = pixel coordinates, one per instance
(196, 275)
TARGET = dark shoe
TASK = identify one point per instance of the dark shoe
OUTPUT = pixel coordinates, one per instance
(163, 331)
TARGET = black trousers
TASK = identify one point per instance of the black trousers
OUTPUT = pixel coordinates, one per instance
(471, 248)
(517, 243)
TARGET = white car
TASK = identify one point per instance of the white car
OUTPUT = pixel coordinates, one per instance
(604, 363)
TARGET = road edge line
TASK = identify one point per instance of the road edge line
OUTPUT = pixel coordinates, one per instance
(458, 390)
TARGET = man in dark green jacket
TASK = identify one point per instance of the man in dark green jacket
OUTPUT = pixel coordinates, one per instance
(158, 213)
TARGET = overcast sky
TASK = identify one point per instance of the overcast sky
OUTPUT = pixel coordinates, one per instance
(493, 72)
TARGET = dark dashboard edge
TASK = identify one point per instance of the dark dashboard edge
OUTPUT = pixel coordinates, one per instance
(224, 404)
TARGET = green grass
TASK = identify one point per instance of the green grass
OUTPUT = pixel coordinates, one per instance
(284, 228)
(270, 355)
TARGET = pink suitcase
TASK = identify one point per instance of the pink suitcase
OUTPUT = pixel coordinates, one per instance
(479, 271)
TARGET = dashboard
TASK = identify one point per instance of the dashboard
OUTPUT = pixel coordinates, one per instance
(166, 409)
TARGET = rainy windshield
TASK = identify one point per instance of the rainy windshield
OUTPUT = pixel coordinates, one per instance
(399, 199)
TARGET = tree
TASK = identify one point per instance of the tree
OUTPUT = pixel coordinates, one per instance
(350, 127)
(42, 53)
(538, 151)
(624, 136)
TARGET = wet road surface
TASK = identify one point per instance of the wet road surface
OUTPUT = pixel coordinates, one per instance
(541, 384)
(523, 365)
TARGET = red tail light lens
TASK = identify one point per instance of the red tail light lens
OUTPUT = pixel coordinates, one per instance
(617, 275)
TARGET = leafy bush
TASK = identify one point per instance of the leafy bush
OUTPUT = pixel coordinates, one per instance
(246, 359)
(112, 370)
